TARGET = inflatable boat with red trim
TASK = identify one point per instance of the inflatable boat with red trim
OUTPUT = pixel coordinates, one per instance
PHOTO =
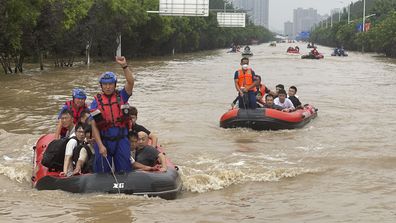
(293, 51)
(311, 56)
(166, 185)
(267, 119)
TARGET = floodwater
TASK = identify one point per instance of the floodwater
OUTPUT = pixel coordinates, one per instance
(338, 168)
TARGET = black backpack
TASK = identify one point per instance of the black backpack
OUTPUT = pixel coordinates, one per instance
(54, 155)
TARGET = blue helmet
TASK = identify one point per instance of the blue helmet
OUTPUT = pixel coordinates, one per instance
(107, 78)
(79, 93)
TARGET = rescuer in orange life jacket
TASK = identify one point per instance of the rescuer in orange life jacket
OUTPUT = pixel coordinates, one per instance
(109, 110)
(245, 84)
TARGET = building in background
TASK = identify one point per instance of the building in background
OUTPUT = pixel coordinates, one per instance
(304, 20)
(288, 30)
(258, 10)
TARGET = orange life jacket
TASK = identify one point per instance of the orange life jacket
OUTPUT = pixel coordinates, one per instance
(76, 111)
(262, 92)
(262, 89)
(245, 78)
(110, 107)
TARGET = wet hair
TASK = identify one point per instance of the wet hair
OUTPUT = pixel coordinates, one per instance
(79, 125)
(282, 91)
(132, 134)
(67, 111)
(84, 112)
(244, 58)
(88, 129)
(281, 86)
(294, 87)
(133, 110)
(269, 96)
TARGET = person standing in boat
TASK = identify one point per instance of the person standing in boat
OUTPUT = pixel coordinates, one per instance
(77, 105)
(109, 110)
(245, 83)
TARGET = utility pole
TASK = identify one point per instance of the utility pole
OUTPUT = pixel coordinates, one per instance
(349, 12)
(364, 15)
(339, 15)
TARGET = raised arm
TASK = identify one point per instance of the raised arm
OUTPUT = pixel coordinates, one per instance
(130, 80)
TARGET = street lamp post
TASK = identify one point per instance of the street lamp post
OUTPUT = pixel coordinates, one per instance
(364, 15)
(349, 12)
(339, 15)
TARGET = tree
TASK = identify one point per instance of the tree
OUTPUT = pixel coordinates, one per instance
(16, 16)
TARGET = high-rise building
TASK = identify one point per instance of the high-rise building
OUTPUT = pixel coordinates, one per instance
(257, 9)
(288, 30)
(304, 20)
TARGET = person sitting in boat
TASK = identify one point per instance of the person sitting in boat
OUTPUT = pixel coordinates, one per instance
(66, 120)
(297, 48)
(109, 110)
(85, 117)
(247, 49)
(76, 105)
(262, 90)
(83, 155)
(245, 83)
(148, 155)
(135, 128)
(76, 139)
(133, 138)
(293, 98)
(277, 88)
(284, 102)
(269, 103)
(342, 51)
(314, 52)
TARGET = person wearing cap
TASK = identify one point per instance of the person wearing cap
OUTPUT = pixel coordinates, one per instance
(245, 83)
(109, 111)
(76, 106)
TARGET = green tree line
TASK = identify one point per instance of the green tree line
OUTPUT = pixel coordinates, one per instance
(62, 30)
(380, 38)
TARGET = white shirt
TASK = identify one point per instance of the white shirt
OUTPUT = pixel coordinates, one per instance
(286, 104)
(71, 145)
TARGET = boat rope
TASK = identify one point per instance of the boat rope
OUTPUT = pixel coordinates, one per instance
(115, 178)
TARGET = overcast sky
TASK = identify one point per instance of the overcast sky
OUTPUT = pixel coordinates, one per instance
(282, 10)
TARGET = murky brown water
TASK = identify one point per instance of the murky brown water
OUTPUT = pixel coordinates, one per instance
(338, 168)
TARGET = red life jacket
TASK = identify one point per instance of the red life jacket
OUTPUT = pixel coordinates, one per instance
(76, 111)
(110, 108)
